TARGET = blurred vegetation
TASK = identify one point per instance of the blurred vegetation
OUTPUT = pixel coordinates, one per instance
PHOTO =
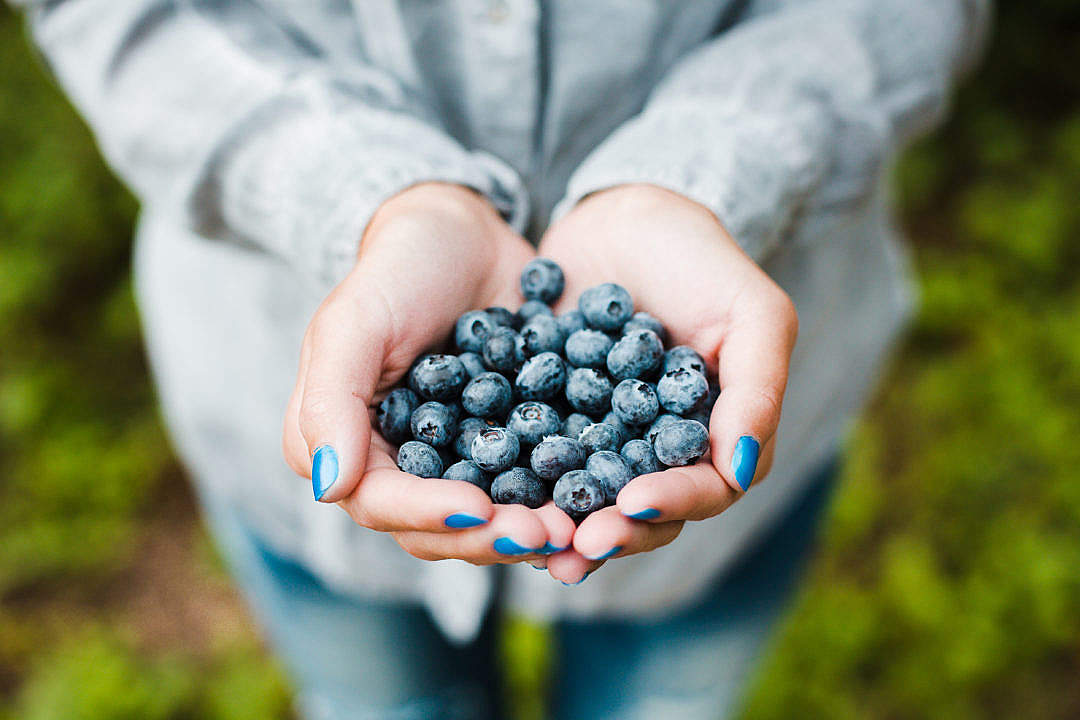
(948, 584)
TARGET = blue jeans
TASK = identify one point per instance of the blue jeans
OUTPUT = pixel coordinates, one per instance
(356, 659)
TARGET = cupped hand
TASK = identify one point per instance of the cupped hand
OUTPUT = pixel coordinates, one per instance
(429, 254)
(681, 266)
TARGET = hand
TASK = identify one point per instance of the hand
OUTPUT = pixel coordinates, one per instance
(680, 265)
(429, 254)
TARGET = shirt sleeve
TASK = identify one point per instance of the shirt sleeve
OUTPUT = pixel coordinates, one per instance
(795, 108)
(227, 118)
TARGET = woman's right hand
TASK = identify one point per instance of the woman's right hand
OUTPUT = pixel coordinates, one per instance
(428, 255)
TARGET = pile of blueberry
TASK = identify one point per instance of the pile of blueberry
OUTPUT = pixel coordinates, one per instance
(537, 406)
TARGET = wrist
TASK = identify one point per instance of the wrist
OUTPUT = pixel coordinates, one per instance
(446, 203)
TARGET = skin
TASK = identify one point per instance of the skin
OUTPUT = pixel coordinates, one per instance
(678, 263)
(360, 344)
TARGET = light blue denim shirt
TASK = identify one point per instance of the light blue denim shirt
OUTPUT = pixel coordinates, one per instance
(261, 135)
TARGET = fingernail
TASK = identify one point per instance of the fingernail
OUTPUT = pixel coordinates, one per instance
(550, 549)
(463, 520)
(579, 581)
(538, 567)
(744, 461)
(608, 554)
(646, 514)
(324, 470)
(506, 546)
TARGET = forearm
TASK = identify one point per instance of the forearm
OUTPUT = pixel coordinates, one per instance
(792, 109)
(220, 119)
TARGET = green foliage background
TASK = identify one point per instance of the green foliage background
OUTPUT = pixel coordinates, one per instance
(948, 582)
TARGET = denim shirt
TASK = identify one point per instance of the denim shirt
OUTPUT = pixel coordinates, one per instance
(261, 135)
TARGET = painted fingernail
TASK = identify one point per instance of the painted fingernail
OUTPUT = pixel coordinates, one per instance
(744, 461)
(463, 520)
(550, 549)
(579, 581)
(537, 566)
(324, 470)
(608, 554)
(646, 514)
(506, 546)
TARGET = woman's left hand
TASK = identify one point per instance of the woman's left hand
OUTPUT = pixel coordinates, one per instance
(681, 266)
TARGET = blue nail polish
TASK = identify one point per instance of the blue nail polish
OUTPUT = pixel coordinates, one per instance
(646, 514)
(608, 554)
(463, 520)
(324, 470)
(550, 549)
(537, 567)
(744, 461)
(506, 546)
(579, 581)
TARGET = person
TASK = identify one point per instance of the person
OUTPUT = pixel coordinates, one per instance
(326, 186)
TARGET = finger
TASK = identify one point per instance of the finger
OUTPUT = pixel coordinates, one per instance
(695, 492)
(560, 528)
(608, 534)
(388, 500)
(570, 568)
(514, 534)
(347, 342)
(292, 442)
(753, 361)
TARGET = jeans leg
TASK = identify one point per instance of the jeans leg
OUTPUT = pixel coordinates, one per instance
(693, 664)
(353, 659)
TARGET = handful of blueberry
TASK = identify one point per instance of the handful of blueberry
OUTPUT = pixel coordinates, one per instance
(536, 406)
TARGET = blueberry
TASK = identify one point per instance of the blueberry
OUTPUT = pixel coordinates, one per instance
(393, 415)
(555, 456)
(682, 356)
(645, 321)
(471, 329)
(532, 422)
(570, 322)
(599, 436)
(433, 423)
(469, 428)
(659, 424)
(419, 459)
(636, 355)
(641, 458)
(541, 377)
(578, 493)
(682, 391)
(681, 443)
(542, 280)
(456, 411)
(606, 307)
(518, 485)
(502, 317)
(574, 424)
(542, 334)
(530, 309)
(410, 378)
(474, 364)
(495, 449)
(634, 402)
(488, 394)
(625, 431)
(504, 350)
(439, 377)
(588, 348)
(588, 391)
(470, 472)
(612, 470)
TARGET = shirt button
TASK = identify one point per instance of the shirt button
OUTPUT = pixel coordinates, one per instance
(498, 11)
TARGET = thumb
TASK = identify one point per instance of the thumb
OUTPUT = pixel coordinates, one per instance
(342, 361)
